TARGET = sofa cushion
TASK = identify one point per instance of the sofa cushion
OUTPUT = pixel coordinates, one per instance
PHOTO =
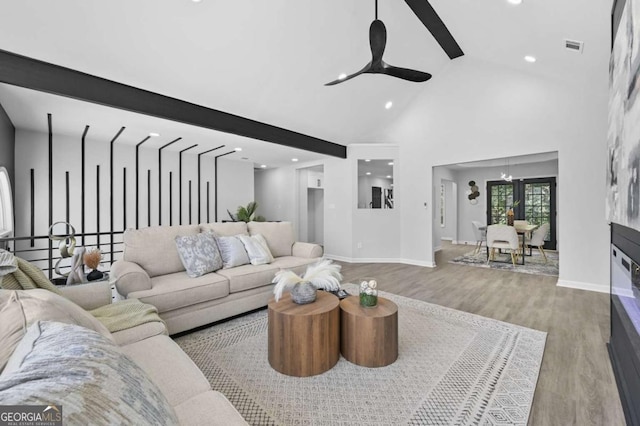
(84, 372)
(154, 248)
(295, 264)
(199, 253)
(21, 308)
(257, 249)
(194, 410)
(139, 332)
(169, 368)
(176, 290)
(225, 229)
(248, 276)
(279, 236)
(232, 251)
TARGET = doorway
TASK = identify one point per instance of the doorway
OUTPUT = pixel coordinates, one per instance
(537, 203)
(310, 221)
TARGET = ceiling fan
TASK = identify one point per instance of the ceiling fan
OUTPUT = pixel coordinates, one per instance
(378, 42)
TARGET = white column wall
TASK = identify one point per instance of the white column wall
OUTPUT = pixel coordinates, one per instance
(236, 182)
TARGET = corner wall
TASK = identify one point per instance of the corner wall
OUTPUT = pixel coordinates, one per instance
(7, 146)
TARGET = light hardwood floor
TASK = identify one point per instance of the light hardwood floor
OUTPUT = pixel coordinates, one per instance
(576, 384)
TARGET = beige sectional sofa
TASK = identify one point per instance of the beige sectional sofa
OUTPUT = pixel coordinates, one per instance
(189, 396)
(151, 271)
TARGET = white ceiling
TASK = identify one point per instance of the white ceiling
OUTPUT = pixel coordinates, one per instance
(268, 61)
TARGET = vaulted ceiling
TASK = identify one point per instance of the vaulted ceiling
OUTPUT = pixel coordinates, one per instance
(269, 61)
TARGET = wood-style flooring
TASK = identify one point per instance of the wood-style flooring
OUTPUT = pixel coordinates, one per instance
(576, 384)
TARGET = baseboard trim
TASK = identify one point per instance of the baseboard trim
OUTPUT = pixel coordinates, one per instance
(413, 262)
(583, 286)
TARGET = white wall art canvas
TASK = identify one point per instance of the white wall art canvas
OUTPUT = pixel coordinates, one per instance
(623, 162)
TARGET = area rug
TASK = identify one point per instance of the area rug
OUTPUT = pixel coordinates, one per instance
(534, 264)
(453, 368)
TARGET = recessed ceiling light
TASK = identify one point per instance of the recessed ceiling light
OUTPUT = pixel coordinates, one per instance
(368, 173)
(294, 159)
(342, 76)
(530, 59)
(388, 176)
(238, 149)
(154, 135)
(515, 1)
(263, 166)
(388, 105)
(196, 1)
(366, 161)
(391, 163)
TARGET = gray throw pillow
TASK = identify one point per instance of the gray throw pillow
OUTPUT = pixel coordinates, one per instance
(199, 254)
(83, 371)
(232, 251)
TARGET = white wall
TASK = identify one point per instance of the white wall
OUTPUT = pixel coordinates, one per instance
(440, 175)
(473, 111)
(315, 215)
(235, 183)
(450, 229)
(275, 193)
(235, 186)
(468, 212)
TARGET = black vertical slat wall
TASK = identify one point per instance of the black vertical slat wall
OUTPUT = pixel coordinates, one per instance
(69, 193)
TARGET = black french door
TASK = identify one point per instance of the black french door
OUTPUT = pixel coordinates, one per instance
(537, 203)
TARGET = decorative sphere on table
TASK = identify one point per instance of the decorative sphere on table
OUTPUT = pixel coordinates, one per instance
(368, 293)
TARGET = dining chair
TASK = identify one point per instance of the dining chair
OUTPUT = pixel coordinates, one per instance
(503, 237)
(537, 239)
(480, 233)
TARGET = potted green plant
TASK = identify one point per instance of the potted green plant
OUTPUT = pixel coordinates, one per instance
(246, 214)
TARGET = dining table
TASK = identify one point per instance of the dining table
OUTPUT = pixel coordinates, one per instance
(525, 231)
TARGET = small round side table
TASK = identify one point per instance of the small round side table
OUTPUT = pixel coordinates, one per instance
(304, 340)
(369, 335)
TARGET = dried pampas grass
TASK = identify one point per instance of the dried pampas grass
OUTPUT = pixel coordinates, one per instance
(92, 258)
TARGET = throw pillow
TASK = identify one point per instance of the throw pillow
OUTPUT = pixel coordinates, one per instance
(21, 308)
(85, 373)
(199, 254)
(257, 249)
(232, 251)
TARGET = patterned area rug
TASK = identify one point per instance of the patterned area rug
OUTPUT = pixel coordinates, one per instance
(534, 264)
(453, 368)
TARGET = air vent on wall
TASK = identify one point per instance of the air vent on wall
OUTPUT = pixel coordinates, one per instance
(573, 45)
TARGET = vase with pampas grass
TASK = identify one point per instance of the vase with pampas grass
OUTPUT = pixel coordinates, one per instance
(322, 275)
(92, 259)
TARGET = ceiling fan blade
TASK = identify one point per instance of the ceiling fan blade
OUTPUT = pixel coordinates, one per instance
(367, 68)
(425, 12)
(404, 73)
(377, 40)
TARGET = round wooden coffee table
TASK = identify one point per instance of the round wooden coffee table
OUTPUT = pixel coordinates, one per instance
(369, 335)
(304, 340)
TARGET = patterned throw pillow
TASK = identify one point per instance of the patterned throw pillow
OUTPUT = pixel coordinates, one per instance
(257, 249)
(232, 251)
(199, 254)
(21, 308)
(69, 365)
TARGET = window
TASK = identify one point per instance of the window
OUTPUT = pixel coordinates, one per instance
(6, 204)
